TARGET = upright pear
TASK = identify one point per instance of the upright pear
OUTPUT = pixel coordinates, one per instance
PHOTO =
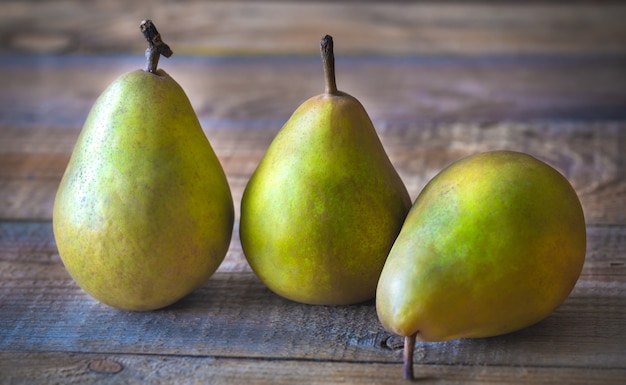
(143, 214)
(320, 213)
(494, 243)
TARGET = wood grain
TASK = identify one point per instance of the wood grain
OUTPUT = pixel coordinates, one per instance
(430, 114)
(67, 368)
(243, 27)
(234, 315)
(589, 154)
(58, 91)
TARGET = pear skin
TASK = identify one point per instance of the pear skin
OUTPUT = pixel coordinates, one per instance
(143, 214)
(494, 243)
(321, 211)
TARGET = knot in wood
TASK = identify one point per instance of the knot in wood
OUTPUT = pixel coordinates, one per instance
(105, 366)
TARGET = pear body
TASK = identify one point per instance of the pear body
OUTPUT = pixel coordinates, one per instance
(323, 207)
(494, 243)
(143, 214)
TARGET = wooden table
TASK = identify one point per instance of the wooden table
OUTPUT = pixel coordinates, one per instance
(440, 81)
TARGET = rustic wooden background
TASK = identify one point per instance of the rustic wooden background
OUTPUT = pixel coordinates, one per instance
(441, 80)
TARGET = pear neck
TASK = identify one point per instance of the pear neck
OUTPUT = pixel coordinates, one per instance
(156, 46)
(328, 61)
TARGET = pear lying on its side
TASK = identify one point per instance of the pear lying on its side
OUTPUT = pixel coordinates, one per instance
(494, 243)
(321, 211)
(143, 214)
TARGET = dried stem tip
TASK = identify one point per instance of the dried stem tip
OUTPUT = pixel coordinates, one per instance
(156, 46)
(328, 60)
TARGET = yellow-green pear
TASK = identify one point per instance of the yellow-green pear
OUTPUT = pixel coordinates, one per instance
(143, 214)
(494, 243)
(321, 211)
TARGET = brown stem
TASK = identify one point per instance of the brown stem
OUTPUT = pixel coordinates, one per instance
(409, 346)
(156, 46)
(328, 60)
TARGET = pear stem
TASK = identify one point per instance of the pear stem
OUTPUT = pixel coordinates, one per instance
(156, 46)
(409, 347)
(328, 60)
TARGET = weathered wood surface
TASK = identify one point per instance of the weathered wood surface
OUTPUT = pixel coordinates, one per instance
(234, 321)
(67, 368)
(428, 112)
(440, 81)
(240, 92)
(233, 315)
(587, 153)
(253, 27)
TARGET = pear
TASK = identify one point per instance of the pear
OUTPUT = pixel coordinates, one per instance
(143, 214)
(494, 243)
(321, 211)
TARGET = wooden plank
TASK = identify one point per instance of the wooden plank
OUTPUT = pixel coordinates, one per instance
(58, 91)
(234, 315)
(257, 324)
(262, 27)
(46, 368)
(590, 154)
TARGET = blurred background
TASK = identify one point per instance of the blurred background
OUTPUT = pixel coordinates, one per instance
(426, 61)
(201, 27)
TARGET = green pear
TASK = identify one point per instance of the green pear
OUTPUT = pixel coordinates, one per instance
(143, 214)
(321, 211)
(494, 243)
